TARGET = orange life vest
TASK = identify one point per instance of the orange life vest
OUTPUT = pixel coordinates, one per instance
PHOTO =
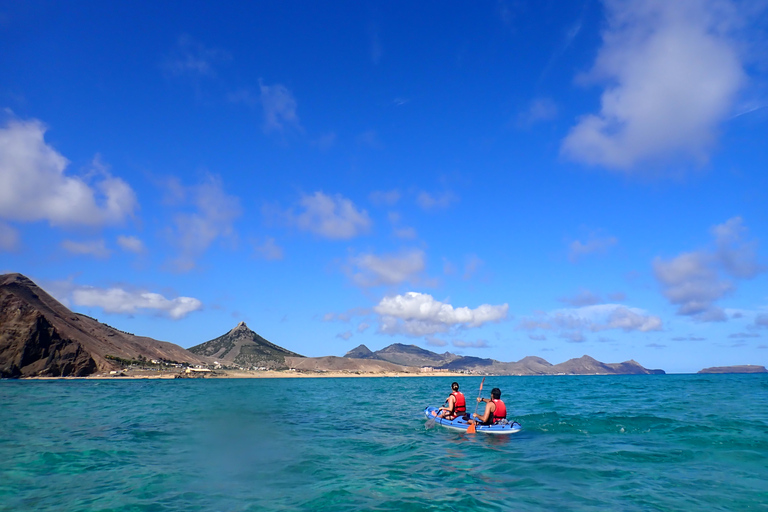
(460, 407)
(500, 412)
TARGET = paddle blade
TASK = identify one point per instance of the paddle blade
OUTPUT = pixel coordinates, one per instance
(481, 383)
(471, 429)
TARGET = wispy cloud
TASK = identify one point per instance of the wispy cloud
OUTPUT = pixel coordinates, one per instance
(334, 217)
(268, 250)
(209, 214)
(385, 197)
(470, 344)
(279, 108)
(131, 244)
(571, 323)
(593, 245)
(34, 186)
(9, 238)
(582, 298)
(695, 281)
(95, 248)
(540, 109)
(371, 270)
(193, 58)
(438, 201)
(673, 72)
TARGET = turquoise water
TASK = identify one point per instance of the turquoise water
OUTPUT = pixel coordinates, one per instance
(666, 442)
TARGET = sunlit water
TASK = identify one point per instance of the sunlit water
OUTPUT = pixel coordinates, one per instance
(674, 442)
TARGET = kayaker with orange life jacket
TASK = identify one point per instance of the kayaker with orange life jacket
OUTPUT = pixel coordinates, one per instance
(457, 405)
(494, 411)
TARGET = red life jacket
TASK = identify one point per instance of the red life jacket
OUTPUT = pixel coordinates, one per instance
(460, 407)
(501, 410)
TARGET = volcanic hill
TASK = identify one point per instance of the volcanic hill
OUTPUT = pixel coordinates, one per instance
(243, 347)
(39, 336)
(411, 355)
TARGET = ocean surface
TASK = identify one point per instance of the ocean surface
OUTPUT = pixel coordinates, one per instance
(657, 442)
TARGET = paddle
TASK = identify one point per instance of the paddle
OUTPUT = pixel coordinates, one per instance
(471, 429)
(431, 421)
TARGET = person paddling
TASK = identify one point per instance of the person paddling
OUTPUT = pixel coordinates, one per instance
(494, 411)
(457, 405)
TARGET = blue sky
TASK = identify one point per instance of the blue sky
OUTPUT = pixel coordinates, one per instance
(496, 179)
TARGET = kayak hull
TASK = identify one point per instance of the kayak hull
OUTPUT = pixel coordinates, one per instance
(459, 424)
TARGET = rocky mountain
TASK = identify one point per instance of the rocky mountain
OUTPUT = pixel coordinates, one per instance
(243, 347)
(360, 352)
(336, 364)
(405, 355)
(746, 368)
(39, 336)
(411, 355)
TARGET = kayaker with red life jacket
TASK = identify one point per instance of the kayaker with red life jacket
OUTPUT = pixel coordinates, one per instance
(457, 405)
(494, 411)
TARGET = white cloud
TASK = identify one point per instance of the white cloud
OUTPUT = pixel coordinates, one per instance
(371, 270)
(117, 300)
(363, 326)
(279, 108)
(470, 344)
(269, 250)
(593, 245)
(694, 281)
(419, 314)
(572, 322)
(212, 215)
(131, 244)
(344, 335)
(333, 217)
(9, 237)
(95, 248)
(440, 201)
(33, 186)
(673, 74)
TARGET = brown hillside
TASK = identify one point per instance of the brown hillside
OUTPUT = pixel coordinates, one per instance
(39, 336)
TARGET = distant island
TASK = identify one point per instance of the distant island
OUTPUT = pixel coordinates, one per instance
(745, 368)
(40, 337)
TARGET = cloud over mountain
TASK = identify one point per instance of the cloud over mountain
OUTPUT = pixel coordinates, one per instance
(419, 314)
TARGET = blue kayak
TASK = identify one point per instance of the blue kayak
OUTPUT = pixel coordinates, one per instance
(460, 423)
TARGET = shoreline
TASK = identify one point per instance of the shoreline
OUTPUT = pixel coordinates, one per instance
(267, 374)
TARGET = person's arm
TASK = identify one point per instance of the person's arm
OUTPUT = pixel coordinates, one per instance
(451, 404)
(488, 410)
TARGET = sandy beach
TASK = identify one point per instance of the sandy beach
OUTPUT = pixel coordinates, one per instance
(239, 374)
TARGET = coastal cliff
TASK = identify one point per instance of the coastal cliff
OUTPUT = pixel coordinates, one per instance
(40, 337)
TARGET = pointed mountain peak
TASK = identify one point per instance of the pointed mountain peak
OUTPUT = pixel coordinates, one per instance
(240, 327)
(360, 352)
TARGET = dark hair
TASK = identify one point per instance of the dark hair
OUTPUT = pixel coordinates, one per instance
(496, 393)
(455, 386)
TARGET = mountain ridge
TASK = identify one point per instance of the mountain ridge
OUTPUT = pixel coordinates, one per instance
(529, 365)
(39, 336)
